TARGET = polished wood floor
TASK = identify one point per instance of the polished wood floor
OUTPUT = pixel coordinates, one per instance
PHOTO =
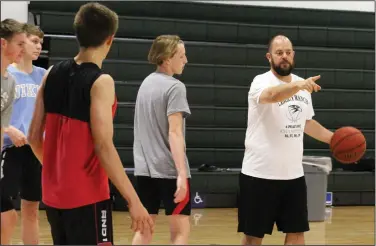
(344, 225)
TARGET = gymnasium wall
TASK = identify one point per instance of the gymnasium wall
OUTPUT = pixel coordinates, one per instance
(17, 10)
(364, 6)
(226, 47)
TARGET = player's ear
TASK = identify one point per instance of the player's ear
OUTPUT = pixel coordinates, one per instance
(110, 40)
(167, 61)
(3, 43)
(293, 53)
(268, 56)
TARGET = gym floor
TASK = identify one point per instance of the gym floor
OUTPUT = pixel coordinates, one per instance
(343, 225)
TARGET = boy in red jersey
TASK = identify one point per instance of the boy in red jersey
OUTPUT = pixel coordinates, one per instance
(75, 107)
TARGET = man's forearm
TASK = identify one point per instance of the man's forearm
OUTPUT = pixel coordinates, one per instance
(178, 152)
(111, 163)
(281, 92)
(317, 131)
(37, 148)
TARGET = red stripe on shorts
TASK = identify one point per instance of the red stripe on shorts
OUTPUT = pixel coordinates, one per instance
(183, 203)
(105, 244)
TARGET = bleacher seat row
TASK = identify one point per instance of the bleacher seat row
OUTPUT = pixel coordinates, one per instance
(226, 48)
(226, 54)
(216, 31)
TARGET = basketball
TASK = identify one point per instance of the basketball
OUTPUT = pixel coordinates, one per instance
(348, 145)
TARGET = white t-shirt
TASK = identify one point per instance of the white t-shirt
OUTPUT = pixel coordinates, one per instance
(274, 137)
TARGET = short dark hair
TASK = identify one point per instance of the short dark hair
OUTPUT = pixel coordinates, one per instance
(32, 29)
(270, 44)
(10, 27)
(94, 23)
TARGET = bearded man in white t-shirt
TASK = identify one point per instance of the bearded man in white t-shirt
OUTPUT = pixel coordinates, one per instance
(272, 182)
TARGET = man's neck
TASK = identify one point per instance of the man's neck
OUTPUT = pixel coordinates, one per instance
(90, 55)
(25, 66)
(286, 79)
(4, 63)
(165, 70)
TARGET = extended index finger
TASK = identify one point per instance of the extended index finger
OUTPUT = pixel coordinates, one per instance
(314, 78)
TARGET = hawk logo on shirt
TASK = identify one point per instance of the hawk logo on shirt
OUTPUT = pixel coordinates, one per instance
(294, 112)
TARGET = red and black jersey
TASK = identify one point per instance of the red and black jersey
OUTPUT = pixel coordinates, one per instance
(72, 175)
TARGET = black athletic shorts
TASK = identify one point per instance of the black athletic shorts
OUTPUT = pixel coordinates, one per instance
(6, 201)
(263, 202)
(22, 174)
(87, 225)
(154, 190)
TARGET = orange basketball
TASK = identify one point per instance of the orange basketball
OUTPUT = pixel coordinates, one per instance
(348, 145)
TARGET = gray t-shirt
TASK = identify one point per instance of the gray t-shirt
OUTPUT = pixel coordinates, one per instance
(7, 96)
(158, 97)
(8, 90)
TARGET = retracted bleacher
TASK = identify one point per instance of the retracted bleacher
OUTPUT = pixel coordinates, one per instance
(226, 46)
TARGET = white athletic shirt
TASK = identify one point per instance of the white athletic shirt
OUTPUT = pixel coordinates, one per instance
(274, 137)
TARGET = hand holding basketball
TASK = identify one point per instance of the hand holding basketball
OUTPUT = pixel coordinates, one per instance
(310, 84)
(348, 145)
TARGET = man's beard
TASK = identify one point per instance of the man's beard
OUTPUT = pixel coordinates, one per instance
(283, 71)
